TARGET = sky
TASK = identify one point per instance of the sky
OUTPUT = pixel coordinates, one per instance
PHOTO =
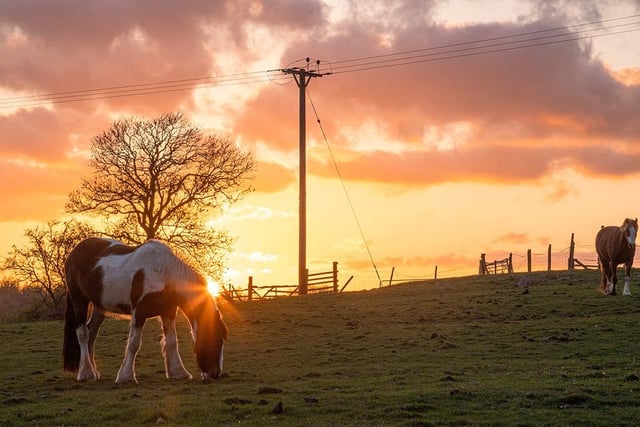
(430, 150)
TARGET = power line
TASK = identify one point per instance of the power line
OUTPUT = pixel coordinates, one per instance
(528, 33)
(530, 39)
(344, 187)
(137, 89)
(431, 54)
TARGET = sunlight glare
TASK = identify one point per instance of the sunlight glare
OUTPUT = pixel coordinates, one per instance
(213, 287)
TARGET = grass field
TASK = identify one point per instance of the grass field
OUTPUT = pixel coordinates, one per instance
(466, 351)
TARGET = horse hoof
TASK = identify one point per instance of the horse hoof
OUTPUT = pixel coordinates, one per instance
(88, 377)
(126, 381)
(181, 376)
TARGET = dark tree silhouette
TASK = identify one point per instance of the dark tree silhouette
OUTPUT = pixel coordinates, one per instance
(158, 179)
(39, 264)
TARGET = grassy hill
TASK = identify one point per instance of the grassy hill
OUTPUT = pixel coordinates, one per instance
(466, 351)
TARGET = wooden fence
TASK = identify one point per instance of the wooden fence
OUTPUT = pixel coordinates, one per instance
(326, 281)
(496, 266)
(587, 262)
(570, 258)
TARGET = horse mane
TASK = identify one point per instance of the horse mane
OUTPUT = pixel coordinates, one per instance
(627, 222)
(171, 267)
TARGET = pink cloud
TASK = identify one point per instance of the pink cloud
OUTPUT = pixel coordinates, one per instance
(530, 111)
(35, 134)
(513, 237)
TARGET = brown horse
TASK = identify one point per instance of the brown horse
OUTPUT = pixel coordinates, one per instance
(138, 282)
(616, 245)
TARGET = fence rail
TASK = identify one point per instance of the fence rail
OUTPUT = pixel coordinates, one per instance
(322, 282)
(495, 267)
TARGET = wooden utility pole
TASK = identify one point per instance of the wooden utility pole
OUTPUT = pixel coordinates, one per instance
(302, 77)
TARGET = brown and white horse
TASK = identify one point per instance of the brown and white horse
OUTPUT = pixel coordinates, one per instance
(141, 282)
(616, 245)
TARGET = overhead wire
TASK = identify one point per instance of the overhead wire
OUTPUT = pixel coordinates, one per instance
(344, 186)
(524, 40)
(25, 101)
(473, 48)
(490, 39)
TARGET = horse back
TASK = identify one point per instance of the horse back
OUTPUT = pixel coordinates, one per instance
(128, 276)
(83, 270)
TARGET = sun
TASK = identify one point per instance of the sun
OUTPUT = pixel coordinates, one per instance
(213, 287)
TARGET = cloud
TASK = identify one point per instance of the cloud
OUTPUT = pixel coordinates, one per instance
(248, 212)
(627, 76)
(513, 237)
(507, 117)
(527, 112)
(35, 134)
(272, 177)
(32, 191)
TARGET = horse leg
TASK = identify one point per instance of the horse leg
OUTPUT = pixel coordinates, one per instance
(97, 317)
(604, 278)
(127, 369)
(627, 279)
(86, 370)
(607, 282)
(172, 362)
(614, 277)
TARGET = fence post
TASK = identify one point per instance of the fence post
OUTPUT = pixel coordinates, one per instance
(250, 289)
(391, 277)
(572, 247)
(435, 274)
(529, 260)
(510, 266)
(335, 276)
(549, 258)
(482, 268)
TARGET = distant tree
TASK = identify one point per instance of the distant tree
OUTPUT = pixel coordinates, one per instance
(158, 179)
(39, 264)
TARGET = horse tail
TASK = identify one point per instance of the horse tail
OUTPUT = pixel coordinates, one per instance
(70, 347)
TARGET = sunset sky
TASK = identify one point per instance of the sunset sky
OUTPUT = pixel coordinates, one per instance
(446, 150)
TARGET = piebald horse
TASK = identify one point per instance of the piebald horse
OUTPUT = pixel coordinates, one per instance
(141, 282)
(616, 245)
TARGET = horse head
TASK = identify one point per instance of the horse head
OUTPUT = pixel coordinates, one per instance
(630, 228)
(209, 333)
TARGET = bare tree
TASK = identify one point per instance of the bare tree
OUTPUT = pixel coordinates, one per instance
(157, 179)
(39, 264)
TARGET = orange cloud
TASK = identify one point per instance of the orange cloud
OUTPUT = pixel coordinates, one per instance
(528, 111)
(272, 177)
(513, 237)
(31, 192)
(627, 76)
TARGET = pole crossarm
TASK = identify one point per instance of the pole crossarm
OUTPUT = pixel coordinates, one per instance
(301, 71)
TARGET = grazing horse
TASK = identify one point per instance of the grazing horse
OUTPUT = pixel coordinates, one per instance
(616, 245)
(141, 282)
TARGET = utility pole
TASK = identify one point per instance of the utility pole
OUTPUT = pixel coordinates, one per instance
(302, 77)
